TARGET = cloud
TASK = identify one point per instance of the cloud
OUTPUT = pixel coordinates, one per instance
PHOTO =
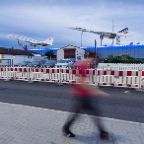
(72, 2)
(52, 18)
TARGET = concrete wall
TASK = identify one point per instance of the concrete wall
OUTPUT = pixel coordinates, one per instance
(60, 54)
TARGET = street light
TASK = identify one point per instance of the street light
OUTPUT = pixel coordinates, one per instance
(81, 39)
(95, 49)
(96, 54)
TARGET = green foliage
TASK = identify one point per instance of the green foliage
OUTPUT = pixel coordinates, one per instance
(122, 59)
(87, 53)
(49, 54)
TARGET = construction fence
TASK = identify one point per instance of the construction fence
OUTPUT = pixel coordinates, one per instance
(120, 66)
(101, 77)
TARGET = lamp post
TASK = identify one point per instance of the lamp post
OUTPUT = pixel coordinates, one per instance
(95, 49)
(96, 54)
(81, 39)
(96, 62)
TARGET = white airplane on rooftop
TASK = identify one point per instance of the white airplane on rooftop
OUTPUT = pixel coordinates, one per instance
(103, 34)
(32, 42)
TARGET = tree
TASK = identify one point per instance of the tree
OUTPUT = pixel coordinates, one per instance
(121, 59)
(49, 54)
(87, 53)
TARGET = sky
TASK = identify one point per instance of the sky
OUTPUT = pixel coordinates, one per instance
(52, 18)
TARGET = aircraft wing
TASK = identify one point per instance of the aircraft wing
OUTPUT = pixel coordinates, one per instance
(79, 29)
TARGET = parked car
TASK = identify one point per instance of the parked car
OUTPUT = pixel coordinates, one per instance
(72, 59)
(36, 63)
(49, 63)
(65, 63)
(22, 64)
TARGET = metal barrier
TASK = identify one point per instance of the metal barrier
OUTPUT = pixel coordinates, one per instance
(116, 78)
(120, 66)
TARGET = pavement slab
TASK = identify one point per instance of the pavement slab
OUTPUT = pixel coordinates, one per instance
(21, 124)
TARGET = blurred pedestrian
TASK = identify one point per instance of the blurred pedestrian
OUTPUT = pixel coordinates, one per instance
(83, 95)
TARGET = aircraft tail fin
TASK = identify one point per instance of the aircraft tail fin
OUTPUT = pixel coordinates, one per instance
(49, 41)
(124, 31)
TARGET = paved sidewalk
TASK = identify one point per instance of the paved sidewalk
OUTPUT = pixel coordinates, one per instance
(30, 125)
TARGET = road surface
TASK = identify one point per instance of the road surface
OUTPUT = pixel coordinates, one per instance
(125, 104)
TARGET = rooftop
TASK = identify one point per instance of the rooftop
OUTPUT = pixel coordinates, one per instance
(12, 51)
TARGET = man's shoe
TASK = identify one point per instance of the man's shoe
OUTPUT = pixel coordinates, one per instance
(68, 133)
(104, 136)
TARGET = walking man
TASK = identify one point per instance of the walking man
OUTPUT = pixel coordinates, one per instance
(83, 95)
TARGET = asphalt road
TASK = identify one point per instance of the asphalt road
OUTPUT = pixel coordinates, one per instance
(123, 104)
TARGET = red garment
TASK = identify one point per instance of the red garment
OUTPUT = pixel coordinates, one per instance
(78, 90)
(83, 65)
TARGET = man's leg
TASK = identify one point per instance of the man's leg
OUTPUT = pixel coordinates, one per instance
(95, 111)
(71, 119)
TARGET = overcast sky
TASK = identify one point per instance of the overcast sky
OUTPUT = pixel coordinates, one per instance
(51, 18)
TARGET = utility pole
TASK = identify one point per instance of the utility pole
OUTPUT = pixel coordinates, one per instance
(113, 26)
(81, 39)
(95, 49)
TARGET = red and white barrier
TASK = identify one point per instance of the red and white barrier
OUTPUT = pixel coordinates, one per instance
(50, 75)
(116, 78)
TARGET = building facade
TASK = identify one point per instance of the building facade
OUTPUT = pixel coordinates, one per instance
(136, 51)
(70, 51)
(14, 56)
